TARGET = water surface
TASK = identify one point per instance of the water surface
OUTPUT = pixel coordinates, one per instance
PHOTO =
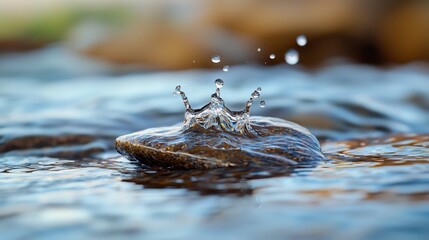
(62, 179)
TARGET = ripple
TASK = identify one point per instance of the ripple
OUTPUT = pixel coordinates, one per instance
(58, 164)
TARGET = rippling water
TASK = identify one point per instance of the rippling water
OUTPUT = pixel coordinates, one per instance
(62, 179)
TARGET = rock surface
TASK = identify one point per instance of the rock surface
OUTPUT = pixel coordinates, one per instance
(279, 143)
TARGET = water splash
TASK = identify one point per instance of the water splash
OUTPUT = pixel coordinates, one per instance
(216, 116)
(255, 94)
(216, 137)
(184, 98)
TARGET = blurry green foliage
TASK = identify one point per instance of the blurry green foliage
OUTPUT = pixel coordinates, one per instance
(54, 25)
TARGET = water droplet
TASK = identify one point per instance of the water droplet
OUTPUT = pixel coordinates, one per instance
(301, 40)
(178, 90)
(262, 104)
(215, 59)
(193, 61)
(259, 49)
(255, 94)
(272, 56)
(219, 83)
(292, 56)
(225, 68)
(259, 89)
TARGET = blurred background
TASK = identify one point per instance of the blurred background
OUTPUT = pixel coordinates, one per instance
(76, 74)
(183, 34)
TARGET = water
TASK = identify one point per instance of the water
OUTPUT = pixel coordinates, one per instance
(217, 115)
(272, 56)
(225, 68)
(215, 59)
(292, 56)
(215, 136)
(219, 83)
(301, 40)
(61, 177)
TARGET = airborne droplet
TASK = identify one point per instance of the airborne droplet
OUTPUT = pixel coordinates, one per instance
(177, 90)
(272, 56)
(255, 94)
(262, 104)
(292, 56)
(259, 49)
(215, 59)
(219, 83)
(225, 68)
(301, 40)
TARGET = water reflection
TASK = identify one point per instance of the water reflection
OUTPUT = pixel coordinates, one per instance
(233, 181)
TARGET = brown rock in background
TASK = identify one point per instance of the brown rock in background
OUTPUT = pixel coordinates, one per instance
(403, 33)
(173, 34)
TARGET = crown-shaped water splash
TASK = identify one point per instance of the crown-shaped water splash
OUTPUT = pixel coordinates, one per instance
(216, 116)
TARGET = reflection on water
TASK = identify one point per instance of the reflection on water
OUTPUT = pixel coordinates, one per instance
(61, 177)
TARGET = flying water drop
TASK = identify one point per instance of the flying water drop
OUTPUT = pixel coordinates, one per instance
(259, 49)
(292, 56)
(256, 94)
(272, 56)
(301, 40)
(178, 89)
(225, 68)
(219, 83)
(262, 104)
(215, 59)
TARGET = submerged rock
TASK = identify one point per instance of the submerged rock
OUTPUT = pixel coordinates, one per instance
(279, 143)
(214, 137)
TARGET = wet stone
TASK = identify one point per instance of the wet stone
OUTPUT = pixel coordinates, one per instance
(279, 143)
(216, 137)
